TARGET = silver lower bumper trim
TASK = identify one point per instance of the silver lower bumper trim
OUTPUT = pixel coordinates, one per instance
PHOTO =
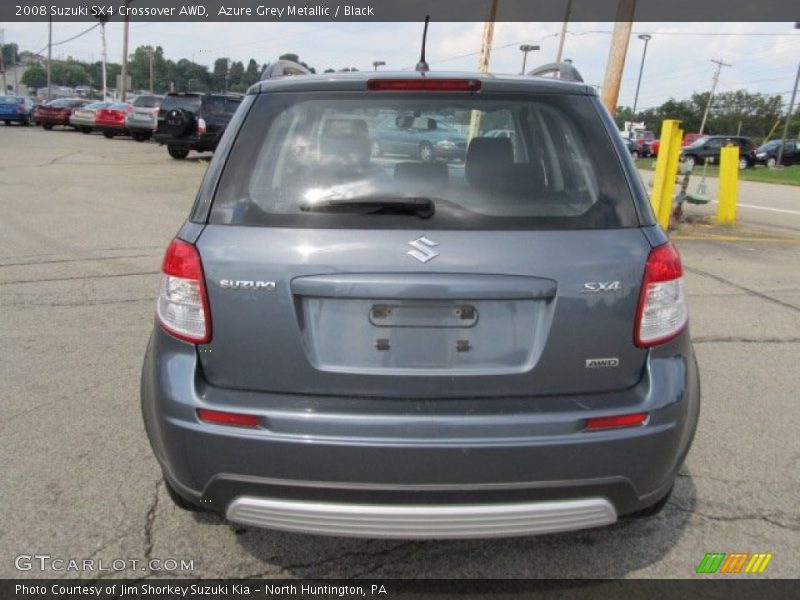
(422, 521)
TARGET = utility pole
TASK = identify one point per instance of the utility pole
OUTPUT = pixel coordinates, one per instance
(483, 63)
(150, 54)
(646, 38)
(124, 83)
(104, 59)
(564, 31)
(378, 63)
(49, 57)
(788, 116)
(719, 64)
(617, 53)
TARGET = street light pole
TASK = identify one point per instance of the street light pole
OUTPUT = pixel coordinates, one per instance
(105, 60)
(646, 38)
(525, 49)
(150, 54)
(564, 31)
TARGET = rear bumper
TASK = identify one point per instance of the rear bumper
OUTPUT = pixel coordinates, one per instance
(15, 117)
(338, 453)
(47, 120)
(422, 521)
(194, 142)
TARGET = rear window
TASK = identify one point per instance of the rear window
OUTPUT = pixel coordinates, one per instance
(11, 100)
(189, 102)
(220, 106)
(147, 101)
(486, 162)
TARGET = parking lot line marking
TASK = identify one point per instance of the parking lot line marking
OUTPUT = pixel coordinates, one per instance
(768, 208)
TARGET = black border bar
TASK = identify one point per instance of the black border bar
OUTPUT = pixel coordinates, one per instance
(394, 10)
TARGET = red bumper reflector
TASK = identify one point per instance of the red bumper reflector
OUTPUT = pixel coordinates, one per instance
(634, 420)
(226, 418)
(433, 85)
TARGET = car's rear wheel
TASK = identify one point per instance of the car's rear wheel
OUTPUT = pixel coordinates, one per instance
(690, 161)
(109, 135)
(772, 162)
(177, 153)
(87, 130)
(141, 137)
(426, 152)
(743, 164)
(7, 122)
(48, 126)
(26, 122)
(635, 155)
(180, 501)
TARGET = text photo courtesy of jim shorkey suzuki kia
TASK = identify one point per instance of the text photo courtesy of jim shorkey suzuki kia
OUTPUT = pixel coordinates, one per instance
(407, 293)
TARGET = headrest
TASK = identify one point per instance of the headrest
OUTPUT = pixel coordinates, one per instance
(345, 141)
(486, 159)
(422, 174)
(490, 167)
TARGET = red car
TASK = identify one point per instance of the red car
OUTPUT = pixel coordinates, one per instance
(111, 120)
(58, 112)
(688, 139)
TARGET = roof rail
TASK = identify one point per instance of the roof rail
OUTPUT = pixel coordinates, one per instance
(558, 70)
(282, 68)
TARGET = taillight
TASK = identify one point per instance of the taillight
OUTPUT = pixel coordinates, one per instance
(662, 312)
(434, 85)
(616, 422)
(21, 108)
(219, 417)
(182, 306)
(201, 125)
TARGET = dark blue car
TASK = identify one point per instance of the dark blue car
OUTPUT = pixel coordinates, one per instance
(15, 109)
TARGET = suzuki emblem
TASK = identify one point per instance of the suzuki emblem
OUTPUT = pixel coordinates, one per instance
(423, 249)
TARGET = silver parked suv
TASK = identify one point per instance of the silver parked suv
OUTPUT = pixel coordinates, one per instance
(386, 346)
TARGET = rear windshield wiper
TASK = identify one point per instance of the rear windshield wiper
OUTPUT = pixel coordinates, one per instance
(420, 206)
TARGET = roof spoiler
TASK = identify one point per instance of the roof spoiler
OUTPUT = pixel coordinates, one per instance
(557, 70)
(283, 68)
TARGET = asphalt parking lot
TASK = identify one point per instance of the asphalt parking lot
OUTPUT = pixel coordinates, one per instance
(83, 224)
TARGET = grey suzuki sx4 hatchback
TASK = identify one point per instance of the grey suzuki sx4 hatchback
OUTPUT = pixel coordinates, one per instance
(408, 339)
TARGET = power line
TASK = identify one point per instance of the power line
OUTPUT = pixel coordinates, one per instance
(74, 37)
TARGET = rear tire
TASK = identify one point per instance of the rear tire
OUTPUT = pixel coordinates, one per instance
(690, 161)
(7, 122)
(743, 164)
(141, 137)
(26, 122)
(87, 130)
(180, 501)
(772, 162)
(177, 153)
(109, 135)
(48, 126)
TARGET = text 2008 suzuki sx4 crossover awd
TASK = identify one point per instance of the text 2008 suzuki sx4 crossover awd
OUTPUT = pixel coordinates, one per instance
(364, 339)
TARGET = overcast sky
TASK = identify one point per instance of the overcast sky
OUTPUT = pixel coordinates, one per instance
(678, 56)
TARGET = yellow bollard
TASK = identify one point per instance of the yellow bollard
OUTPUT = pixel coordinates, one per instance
(666, 170)
(728, 185)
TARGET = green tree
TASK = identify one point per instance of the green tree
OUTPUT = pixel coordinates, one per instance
(219, 75)
(35, 76)
(236, 82)
(10, 54)
(252, 73)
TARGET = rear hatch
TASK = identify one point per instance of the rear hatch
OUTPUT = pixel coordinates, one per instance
(327, 273)
(217, 112)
